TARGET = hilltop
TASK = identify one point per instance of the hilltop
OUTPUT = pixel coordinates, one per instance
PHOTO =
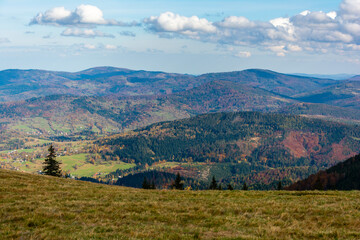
(68, 209)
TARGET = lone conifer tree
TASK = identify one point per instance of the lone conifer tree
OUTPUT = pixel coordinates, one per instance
(279, 186)
(245, 187)
(152, 185)
(51, 166)
(145, 184)
(178, 184)
(213, 184)
(230, 187)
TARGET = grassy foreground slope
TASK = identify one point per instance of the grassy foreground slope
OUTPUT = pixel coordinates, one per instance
(39, 207)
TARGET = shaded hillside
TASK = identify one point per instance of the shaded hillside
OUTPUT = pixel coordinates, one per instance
(344, 94)
(272, 81)
(162, 180)
(343, 176)
(261, 141)
(355, 78)
(322, 111)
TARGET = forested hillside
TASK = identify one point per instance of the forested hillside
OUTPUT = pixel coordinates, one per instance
(256, 147)
(343, 176)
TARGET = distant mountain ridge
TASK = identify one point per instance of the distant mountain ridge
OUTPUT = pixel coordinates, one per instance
(102, 81)
(284, 84)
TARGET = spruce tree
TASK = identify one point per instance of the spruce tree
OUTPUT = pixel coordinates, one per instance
(245, 187)
(178, 184)
(230, 187)
(279, 186)
(152, 185)
(51, 166)
(145, 184)
(213, 184)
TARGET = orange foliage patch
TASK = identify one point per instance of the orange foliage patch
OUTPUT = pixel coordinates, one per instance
(302, 144)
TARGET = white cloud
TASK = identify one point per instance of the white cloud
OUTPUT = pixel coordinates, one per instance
(110, 47)
(236, 22)
(89, 46)
(307, 31)
(293, 48)
(174, 23)
(350, 9)
(279, 50)
(83, 16)
(85, 33)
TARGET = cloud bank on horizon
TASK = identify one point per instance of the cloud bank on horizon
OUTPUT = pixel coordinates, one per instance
(307, 31)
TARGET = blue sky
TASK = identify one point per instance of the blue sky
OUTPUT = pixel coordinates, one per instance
(196, 36)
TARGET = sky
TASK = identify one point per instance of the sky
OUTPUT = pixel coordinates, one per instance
(183, 36)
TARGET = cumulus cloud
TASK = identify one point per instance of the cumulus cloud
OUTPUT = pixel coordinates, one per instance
(83, 15)
(350, 10)
(307, 31)
(89, 46)
(174, 23)
(85, 33)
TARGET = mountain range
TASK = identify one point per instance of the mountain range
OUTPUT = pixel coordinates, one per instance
(103, 101)
(23, 84)
(107, 100)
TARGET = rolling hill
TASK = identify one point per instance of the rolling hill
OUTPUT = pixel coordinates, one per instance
(343, 94)
(245, 146)
(279, 83)
(343, 176)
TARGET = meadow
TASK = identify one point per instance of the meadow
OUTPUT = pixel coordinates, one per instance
(42, 207)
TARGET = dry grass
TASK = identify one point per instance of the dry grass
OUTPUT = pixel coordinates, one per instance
(39, 207)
